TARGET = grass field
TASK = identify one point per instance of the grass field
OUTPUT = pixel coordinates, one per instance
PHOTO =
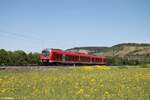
(82, 83)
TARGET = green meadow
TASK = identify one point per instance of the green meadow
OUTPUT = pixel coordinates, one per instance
(80, 83)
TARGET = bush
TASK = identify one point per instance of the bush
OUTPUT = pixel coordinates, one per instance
(145, 66)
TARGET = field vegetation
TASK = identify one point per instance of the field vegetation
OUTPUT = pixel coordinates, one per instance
(80, 83)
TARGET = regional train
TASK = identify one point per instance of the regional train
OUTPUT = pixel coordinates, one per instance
(57, 56)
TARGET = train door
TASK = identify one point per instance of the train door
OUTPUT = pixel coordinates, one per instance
(63, 58)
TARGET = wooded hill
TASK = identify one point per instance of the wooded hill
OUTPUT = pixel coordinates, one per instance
(126, 52)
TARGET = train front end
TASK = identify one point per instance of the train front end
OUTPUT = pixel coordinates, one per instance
(45, 56)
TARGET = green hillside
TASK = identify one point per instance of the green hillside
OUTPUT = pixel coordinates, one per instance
(129, 51)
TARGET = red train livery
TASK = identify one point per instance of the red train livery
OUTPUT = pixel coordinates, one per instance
(51, 56)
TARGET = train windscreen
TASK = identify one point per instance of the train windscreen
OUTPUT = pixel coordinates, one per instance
(45, 53)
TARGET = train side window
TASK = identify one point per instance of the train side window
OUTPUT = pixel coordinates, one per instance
(104, 60)
(96, 59)
(70, 57)
(67, 58)
(100, 59)
(92, 59)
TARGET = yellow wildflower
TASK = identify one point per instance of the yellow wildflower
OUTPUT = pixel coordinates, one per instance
(0, 80)
(93, 81)
(102, 67)
(3, 90)
(101, 85)
(87, 68)
(81, 91)
(106, 93)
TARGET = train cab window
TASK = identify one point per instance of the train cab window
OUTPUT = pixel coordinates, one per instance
(45, 53)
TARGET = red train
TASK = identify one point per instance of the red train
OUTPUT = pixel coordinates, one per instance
(57, 56)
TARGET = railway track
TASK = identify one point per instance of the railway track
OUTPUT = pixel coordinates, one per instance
(32, 67)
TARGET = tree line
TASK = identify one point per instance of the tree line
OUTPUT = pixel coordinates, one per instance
(125, 61)
(18, 58)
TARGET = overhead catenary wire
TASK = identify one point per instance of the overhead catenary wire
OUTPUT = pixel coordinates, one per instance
(20, 35)
(23, 37)
(33, 39)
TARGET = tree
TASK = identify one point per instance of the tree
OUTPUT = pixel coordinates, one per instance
(33, 59)
(20, 58)
(3, 57)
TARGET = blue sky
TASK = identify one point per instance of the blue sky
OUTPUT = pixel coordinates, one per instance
(33, 25)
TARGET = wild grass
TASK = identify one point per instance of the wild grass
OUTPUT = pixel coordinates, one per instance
(85, 83)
